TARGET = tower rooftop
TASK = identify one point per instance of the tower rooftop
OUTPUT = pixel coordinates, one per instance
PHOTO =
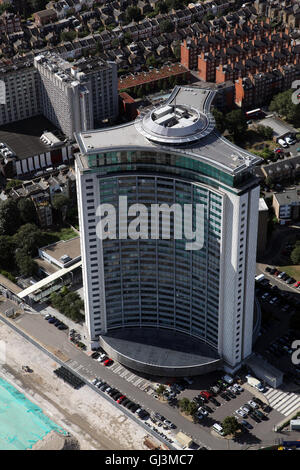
(183, 125)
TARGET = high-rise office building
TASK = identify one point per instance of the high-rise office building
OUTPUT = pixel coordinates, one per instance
(154, 304)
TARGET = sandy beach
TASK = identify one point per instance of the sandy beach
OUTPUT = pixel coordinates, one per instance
(92, 422)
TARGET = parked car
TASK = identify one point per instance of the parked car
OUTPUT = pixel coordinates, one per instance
(241, 412)
(202, 411)
(238, 387)
(246, 424)
(122, 398)
(108, 362)
(253, 404)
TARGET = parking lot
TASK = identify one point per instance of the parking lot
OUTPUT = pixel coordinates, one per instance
(141, 390)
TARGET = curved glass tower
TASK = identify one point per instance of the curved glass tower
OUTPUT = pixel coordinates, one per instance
(158, 302)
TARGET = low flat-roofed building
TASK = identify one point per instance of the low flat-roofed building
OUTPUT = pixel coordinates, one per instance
(287, 205)
(63, 253)
(31, 154)
(280, 129)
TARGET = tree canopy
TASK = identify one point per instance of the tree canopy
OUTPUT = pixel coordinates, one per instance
(27, 210)
(26, 265)
(295, 254)
(283, 105)
(9, 217)
(236, 123)
(28, 238)
(230, 425)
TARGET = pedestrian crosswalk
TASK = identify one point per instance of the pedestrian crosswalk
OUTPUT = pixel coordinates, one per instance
(137, 381)
(285, 403)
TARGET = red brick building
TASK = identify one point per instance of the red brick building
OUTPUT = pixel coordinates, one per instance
(244, 52)
(155, 79)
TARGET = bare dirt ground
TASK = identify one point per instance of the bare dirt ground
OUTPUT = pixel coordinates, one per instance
(89, 418)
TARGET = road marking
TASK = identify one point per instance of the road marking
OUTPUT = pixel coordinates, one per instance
(286, 411)
(129, 379)
(124, 373)
(278, 399)
(138, 382)
(286, 402)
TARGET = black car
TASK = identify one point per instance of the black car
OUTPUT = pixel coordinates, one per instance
(225, 396)
(129, 404)
(272, 271)
(268, 269)
(125, 402)
(258, 401)
(246, 424)
(57, 323)
(62, 326)
(214, 401)
(116, 395)
(135, 407)
(95, 355)
(230, 394)
(254, 417)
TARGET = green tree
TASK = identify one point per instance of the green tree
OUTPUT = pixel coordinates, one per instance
(236, 123)
(230, 425)
(26, 265)
(60, 203)
(9, 217)
(161, 389)
(151, 61)
(220, 120)
(28, 238)
(67, 36)
(295, 254)
(283, 105)
(265, 131)
(192, 408)
(167, 26)
(133, 13)
(12, 184)
(184, 404)
(161, 7)
(27, 210)
(7, 249)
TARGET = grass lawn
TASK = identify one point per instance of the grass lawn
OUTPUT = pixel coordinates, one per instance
(292, 271)
(62, 234)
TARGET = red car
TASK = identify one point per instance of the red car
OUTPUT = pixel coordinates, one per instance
(297, 284)
(206, 394)
(108, 362)
(122, 398)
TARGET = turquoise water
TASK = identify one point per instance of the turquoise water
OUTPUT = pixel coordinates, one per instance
(22, 423)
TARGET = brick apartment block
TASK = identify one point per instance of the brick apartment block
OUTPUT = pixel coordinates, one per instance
(268, 59)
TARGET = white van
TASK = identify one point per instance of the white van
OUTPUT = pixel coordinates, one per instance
(282, 143)
(218, 428)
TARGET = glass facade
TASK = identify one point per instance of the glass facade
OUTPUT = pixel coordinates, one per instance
(185, 166)
(157, 282)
